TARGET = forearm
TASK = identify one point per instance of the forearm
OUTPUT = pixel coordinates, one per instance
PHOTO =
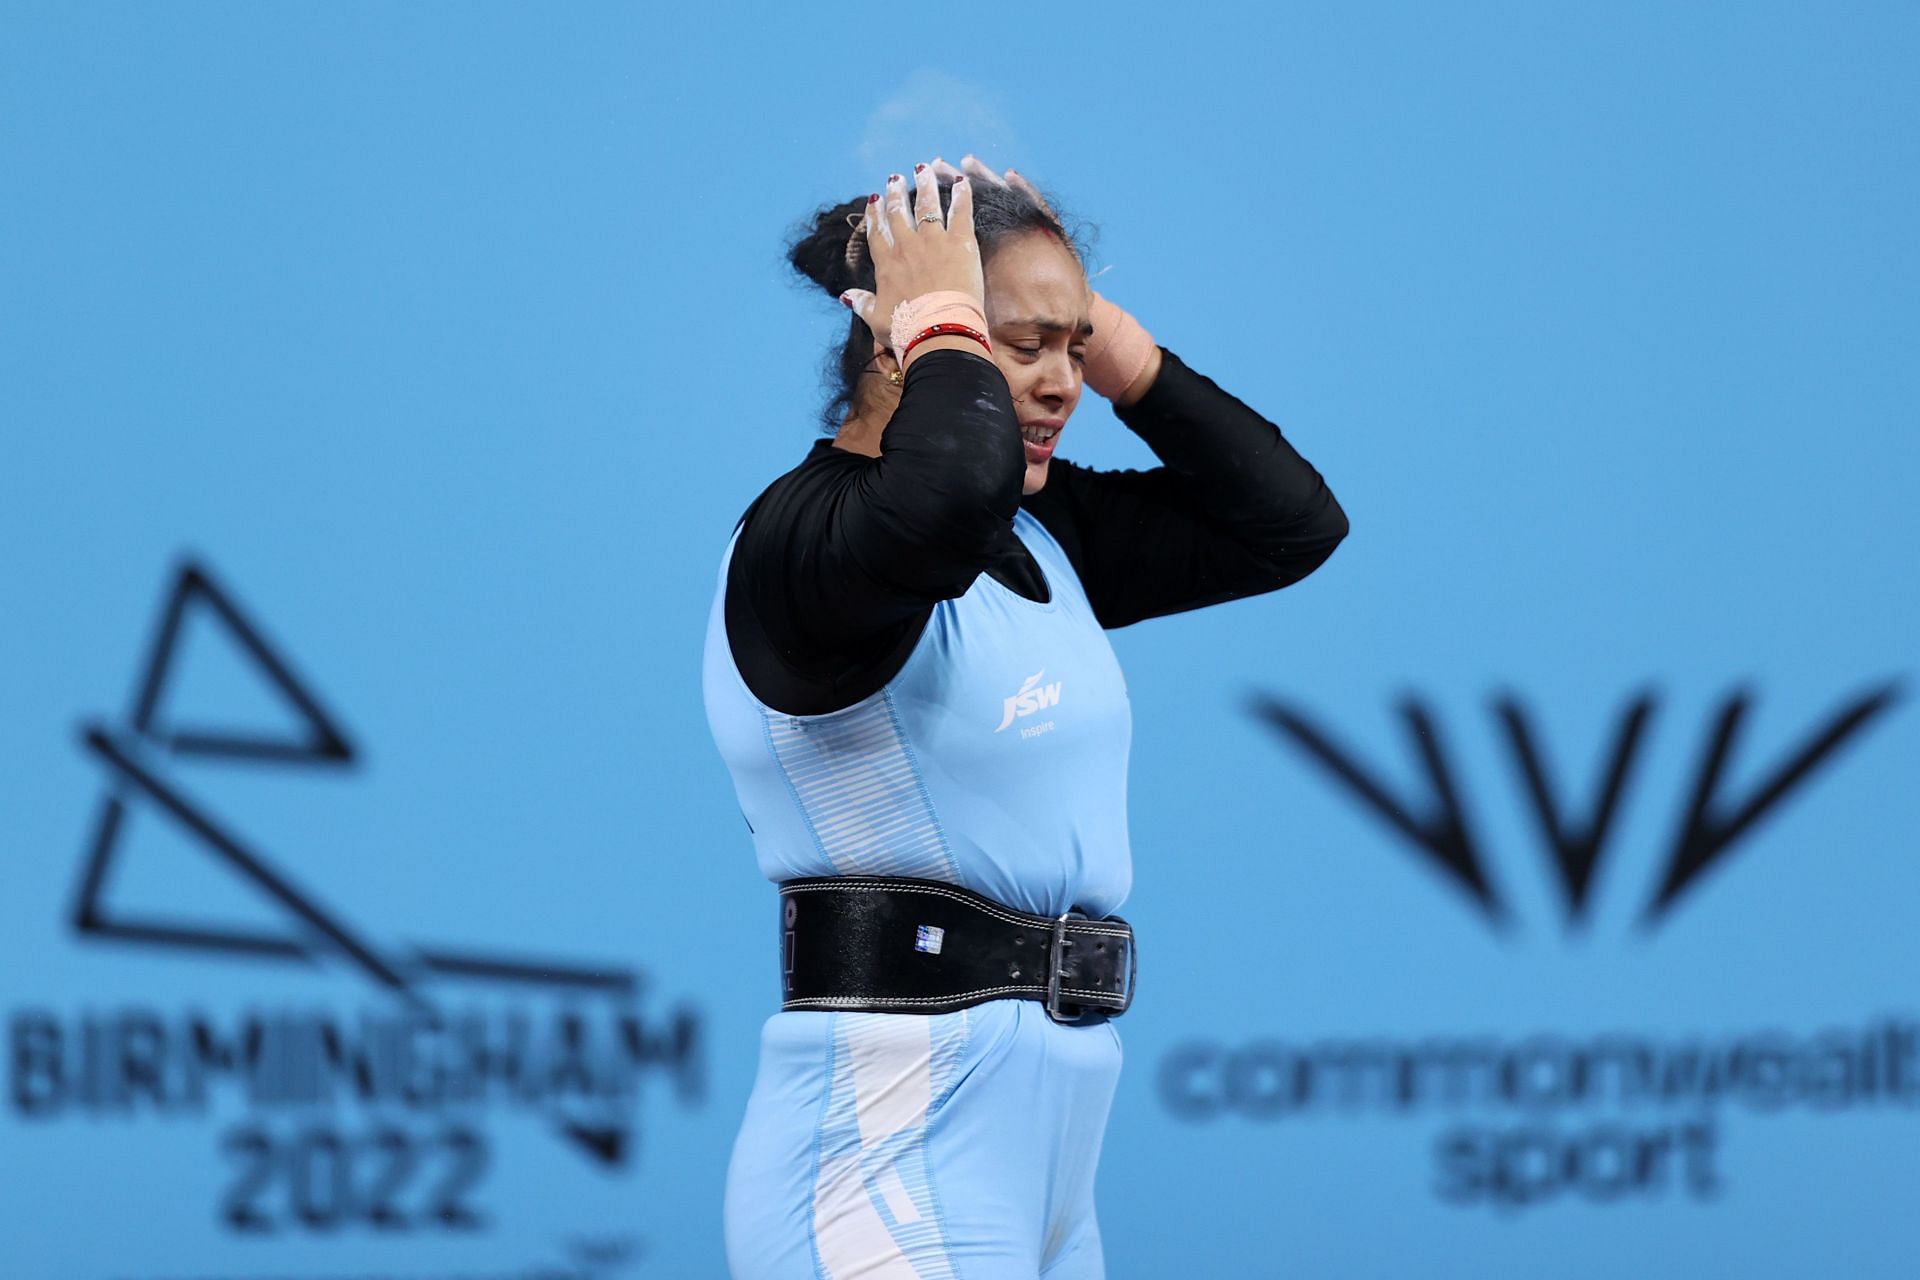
(1237, 465)
(928, 514)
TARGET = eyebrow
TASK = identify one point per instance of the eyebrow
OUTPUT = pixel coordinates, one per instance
(1045, 325)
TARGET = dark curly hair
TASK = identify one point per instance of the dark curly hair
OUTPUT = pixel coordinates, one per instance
(828, 252)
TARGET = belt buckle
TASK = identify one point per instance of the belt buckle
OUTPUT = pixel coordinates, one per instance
(1057, 1009)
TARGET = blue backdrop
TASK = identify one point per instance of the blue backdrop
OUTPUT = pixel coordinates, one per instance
(1528, 892)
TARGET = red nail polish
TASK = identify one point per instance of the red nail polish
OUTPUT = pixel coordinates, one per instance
(874, 198)
(894, 177)
(919, 168)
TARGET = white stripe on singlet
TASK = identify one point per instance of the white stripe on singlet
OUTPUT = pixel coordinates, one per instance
(873, 1207)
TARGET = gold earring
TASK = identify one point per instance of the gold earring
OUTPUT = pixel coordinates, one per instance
(896, 377)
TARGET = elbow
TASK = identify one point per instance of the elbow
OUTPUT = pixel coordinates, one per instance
(1312, 544)
(1334, 527)
(1329, 531)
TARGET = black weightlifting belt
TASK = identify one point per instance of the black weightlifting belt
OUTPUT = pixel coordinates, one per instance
(888, 944)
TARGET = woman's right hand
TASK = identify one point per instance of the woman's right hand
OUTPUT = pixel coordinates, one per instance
(917, 253)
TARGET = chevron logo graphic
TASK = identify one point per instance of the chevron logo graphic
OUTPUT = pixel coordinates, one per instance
(1712, 824)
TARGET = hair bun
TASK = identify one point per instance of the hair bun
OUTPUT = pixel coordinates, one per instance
(832, 254)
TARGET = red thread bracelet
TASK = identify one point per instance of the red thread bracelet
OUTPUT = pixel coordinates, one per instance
(946, 330)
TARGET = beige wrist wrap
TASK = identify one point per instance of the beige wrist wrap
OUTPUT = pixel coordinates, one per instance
(1118, 351)
(943, 306)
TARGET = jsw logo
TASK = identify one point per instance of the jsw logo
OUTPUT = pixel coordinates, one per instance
(1033, 696)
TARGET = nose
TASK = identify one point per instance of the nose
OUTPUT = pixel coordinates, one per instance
(1057, 381)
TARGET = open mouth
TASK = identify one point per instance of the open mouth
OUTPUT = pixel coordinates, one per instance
(1036, 434)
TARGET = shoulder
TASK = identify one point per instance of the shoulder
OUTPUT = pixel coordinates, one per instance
(795, 490)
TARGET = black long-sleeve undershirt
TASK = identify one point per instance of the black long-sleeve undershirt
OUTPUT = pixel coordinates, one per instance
(842, 560)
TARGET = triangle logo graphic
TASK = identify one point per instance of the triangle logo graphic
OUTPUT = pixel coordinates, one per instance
(196, 599)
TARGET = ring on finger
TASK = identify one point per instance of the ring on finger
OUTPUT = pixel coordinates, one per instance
(929, 217)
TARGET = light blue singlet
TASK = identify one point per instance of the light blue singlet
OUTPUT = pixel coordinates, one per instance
(960, 1145)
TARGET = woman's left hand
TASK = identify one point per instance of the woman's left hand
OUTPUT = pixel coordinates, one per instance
(980, 173)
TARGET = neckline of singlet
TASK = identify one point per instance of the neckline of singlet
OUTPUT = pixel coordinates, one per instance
(1052, 602)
